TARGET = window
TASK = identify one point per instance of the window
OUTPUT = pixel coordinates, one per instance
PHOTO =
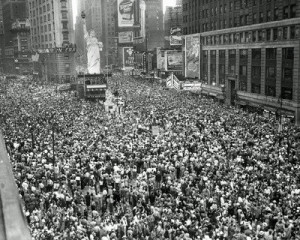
(285, 12)
(222, 54)
(243, 70)
(276, 14)
(232, 69)
(256, 54)
(261, 17)
(285, 33)
(270, 91)
(255, 88)
(244, 54)
(232, 53)
(268, 15)
(271, 53)
(63, 4)
(275, 34)
(256, 72)
(293, 11)
(254, 18)
(64, 15)
(293, 32)
(260, 35)
(254, 36)
(288, 53)
(65, 37)
(270, 71)
(49, 27)
(268, 32)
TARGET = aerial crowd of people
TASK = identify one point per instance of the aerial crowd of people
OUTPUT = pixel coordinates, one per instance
(171, 166)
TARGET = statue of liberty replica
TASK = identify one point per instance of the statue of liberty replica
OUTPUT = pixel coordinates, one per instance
(93, 49)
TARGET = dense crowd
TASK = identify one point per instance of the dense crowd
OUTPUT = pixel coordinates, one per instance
(210, 171)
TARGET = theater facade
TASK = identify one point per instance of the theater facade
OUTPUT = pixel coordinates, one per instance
(253, 60)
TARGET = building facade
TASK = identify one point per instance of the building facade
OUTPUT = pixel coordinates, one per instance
(16, 38)
(154, 24)
(249, 51)
(1, 39)
(51, 28)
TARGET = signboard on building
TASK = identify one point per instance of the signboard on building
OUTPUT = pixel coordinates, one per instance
(128, 57)
(175, 36)
(161, 62)
(174, 60)
(125, 13)
(125, 37)
(192, 49)
(57, 50)
(191, 86)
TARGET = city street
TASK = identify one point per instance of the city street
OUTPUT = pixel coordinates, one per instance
(173, 166)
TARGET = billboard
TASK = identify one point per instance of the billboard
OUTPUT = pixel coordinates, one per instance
(128, 57)
(125, 13)
(161, 62)
(175, 36)
(174, 60)
(192, 49)
(125, 37)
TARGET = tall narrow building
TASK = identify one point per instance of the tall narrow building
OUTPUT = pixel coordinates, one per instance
(51, 33)
(172, 20)
(16, 36)
(154, 24)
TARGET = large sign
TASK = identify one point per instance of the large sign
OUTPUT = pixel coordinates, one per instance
(192, 49)
(125, 13)
(191, 86)
(125, 37)
(175, 36)
(174, 60)
(57, 50)
(128, 57)
(161, 62)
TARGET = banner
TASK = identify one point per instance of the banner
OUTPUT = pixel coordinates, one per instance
(176, 82)
(169, 82)
(125, 37)
(191, 86)
(128, 57)
(173, 82)
(192, 46)
(174, 60)
(125, 13)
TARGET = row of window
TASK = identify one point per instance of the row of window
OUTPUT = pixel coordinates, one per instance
(228, 22)
(270, 34)
(270, 70)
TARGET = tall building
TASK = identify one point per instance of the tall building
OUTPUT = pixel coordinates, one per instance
(172, 20)
(52, 28)
(1, 39)
(246, 51)
(16, 58)
(154, 24)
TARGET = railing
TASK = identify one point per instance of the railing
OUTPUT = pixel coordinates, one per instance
(13, 225)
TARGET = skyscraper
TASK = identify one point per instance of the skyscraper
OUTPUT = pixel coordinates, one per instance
(52, 27)
(154, 24)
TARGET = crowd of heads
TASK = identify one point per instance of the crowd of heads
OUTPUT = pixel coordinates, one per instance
(170, 165)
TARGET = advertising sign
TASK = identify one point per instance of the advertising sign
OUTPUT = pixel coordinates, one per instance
(192, 56)
(191, 86)
(175, 40)
(175, 36)
(125, 13)
(161, 63)
(174, 60)
(125, 37)
(128, 57)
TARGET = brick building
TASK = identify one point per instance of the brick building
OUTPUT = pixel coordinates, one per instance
(248, 51)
